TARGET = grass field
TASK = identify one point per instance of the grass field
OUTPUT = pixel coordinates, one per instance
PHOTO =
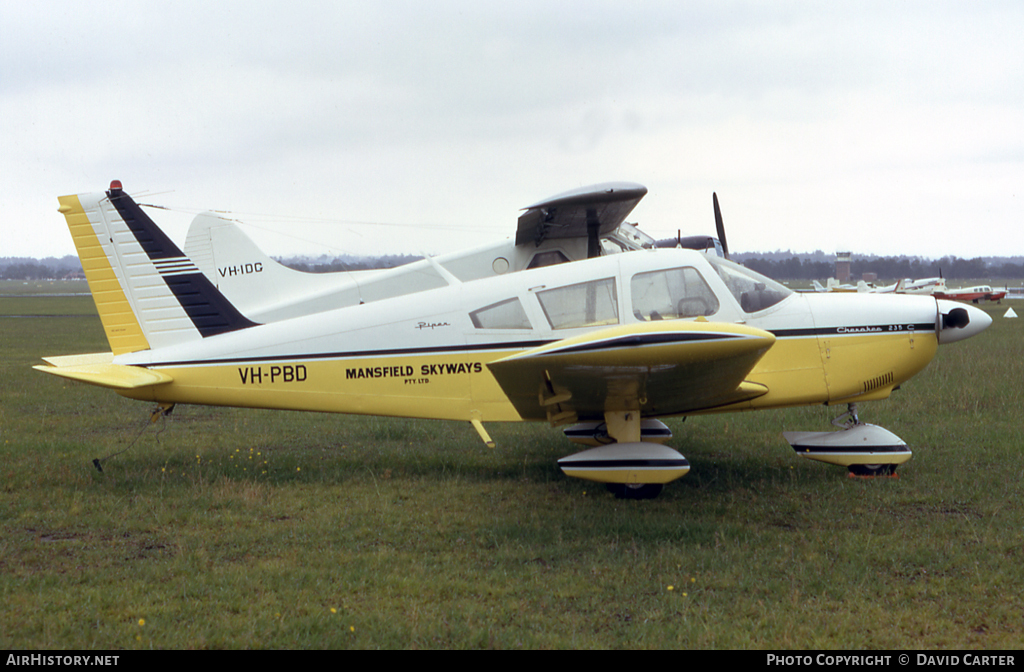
(240, 528)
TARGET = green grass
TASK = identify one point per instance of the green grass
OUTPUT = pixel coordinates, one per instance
(230, 528)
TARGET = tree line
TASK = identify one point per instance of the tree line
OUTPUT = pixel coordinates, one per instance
(32, 270)
(887, 268)
(20, 268)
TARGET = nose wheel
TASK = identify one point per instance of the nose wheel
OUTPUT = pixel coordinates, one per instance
(873, 470)
(635, 490)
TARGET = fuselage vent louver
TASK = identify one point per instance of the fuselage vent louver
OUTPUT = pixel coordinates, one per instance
(878, 381)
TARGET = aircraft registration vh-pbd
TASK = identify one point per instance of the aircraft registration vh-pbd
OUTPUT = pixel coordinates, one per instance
(579, 321)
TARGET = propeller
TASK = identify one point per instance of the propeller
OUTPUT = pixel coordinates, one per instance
(720, 225)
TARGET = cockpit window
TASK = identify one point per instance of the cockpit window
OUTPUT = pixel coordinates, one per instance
(672, 294)
(507, 314)
(583, 305)
(753, 291)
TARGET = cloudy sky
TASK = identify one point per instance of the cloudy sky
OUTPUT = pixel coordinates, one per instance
(880, 127)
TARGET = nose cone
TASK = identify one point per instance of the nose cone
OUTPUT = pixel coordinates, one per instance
(957, 321)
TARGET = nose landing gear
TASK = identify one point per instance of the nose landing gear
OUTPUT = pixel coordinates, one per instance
(866, 450)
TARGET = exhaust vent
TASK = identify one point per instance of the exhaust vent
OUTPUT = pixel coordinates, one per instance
(878, 381)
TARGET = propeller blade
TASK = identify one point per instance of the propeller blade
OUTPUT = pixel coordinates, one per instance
(720, 225)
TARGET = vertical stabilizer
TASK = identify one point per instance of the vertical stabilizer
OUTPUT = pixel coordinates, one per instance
(147, 292)
(254, 282)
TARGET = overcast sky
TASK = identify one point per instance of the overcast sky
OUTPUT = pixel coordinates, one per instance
(880, 127)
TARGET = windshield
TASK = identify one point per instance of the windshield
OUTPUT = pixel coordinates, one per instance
(752, 290)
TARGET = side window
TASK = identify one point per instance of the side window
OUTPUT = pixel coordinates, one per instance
(586, 304)
(502, 315)
(671, 294)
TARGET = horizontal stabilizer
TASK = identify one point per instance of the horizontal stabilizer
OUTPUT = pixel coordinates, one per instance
(99, 369)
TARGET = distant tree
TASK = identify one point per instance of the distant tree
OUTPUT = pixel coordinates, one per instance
(27, 271)
(792, 268)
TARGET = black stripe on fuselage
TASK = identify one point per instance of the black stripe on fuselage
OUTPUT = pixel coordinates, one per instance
(362, 354)
(855, 330)
(627, 341)
(209, 310)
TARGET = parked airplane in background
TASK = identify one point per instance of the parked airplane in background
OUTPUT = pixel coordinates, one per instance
(833, 285)
(895, 288)
(937, 287)
(972, 294)
(928, 286)
(553, 231)
(579, 323)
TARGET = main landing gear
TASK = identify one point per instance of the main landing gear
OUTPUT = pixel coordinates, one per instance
(627, 456)
(635, 490)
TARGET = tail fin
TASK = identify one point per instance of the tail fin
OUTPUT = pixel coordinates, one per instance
(245, 275)
(269, 291)
(147, 292)
(224, 253)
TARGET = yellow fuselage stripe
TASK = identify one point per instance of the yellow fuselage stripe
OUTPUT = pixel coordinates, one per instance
(459, 386)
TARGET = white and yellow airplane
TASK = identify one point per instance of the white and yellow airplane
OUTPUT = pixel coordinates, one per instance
(603, 343)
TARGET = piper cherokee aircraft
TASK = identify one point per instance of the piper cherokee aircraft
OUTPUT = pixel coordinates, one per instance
(602, 344)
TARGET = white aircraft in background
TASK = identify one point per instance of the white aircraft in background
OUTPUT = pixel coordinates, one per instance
(603, 343)
(868, 288)
(972, 294)
(928, 286)
(832, 285)
(554, 231)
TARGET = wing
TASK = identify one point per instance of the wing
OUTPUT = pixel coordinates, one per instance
(575, 213)
(658, 368)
